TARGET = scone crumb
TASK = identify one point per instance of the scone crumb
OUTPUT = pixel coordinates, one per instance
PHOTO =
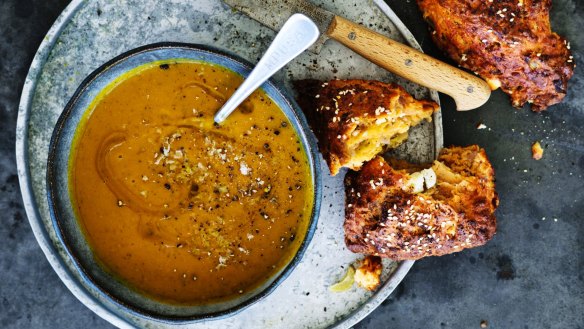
(368, 274)
(536, 151)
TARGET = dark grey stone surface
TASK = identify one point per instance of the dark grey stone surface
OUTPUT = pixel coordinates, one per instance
(529, 276)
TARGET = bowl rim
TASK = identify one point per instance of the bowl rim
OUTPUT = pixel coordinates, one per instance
(304, 132)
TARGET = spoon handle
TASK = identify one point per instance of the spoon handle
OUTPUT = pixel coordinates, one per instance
(297, 34)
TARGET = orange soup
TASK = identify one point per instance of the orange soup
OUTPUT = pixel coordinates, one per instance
(178, 208)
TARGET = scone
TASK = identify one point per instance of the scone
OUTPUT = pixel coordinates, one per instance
(368, 275)
(507, 42)
(354, 120)
(402, 211)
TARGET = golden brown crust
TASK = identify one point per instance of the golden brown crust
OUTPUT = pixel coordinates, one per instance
(342, 112)
(368, 275)
(507, 42)
(383, 218)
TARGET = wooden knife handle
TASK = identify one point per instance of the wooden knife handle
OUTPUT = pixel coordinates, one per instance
(468, 91)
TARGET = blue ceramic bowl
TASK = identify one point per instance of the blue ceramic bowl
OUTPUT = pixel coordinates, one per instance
(93, 277)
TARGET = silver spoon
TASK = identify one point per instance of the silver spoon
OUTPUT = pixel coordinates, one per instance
(297, 34)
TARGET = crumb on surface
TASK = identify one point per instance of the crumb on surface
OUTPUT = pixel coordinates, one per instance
(368, 274)
(536, 151)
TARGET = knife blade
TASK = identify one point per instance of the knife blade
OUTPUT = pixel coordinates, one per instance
(273, 14)
(467, 90)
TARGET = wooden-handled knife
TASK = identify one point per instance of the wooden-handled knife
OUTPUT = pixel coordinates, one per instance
(467, 90)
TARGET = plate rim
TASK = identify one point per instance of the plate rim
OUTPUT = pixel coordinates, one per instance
(41, 234)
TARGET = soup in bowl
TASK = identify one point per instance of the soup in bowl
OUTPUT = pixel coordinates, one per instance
(163, 211)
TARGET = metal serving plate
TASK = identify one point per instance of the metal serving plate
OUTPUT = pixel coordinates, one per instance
(89, 33)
